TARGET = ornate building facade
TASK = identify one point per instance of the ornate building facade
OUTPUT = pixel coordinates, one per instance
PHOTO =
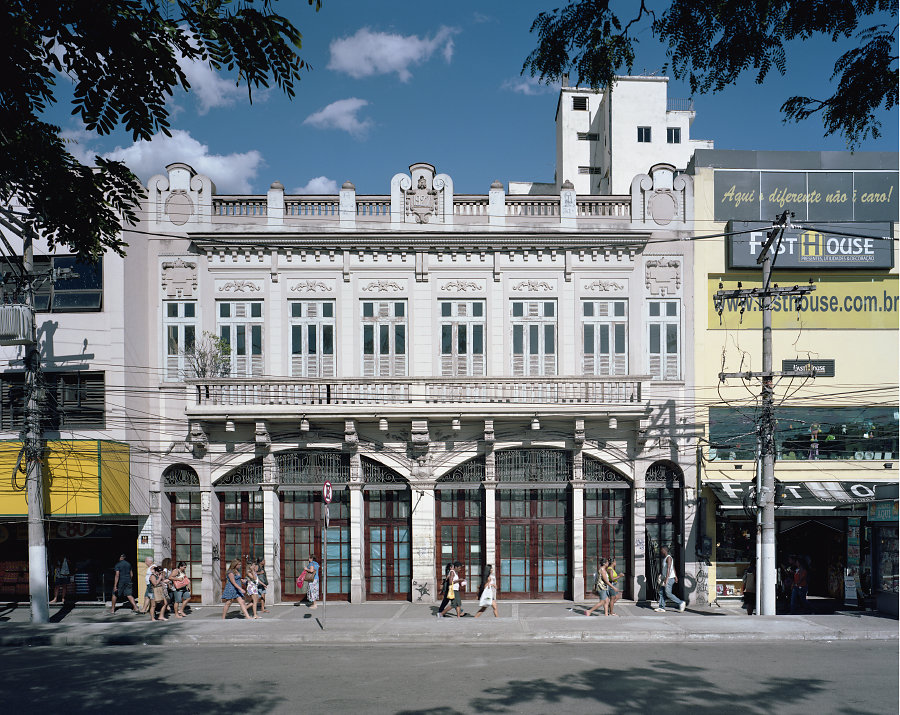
(492, 379)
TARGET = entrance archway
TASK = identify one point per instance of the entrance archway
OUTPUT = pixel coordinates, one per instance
(459, 512)
(664, 514)
(182, 487)
(607, 521)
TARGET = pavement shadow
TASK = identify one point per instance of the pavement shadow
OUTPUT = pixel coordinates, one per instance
(66, 609)
(661, 686)
(58, 681)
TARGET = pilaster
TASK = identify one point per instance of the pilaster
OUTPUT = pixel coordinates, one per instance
(272, 538)
(424, 588)
(577, 524)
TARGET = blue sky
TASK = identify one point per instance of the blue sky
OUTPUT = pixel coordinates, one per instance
(397, 83)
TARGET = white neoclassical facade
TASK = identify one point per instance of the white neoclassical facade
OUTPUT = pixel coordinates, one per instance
(492, 379)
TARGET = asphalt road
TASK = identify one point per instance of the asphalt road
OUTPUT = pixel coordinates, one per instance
(720, 678)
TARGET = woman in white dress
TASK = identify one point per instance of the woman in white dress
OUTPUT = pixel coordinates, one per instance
(488, 592)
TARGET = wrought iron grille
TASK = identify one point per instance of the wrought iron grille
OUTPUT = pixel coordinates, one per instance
(663, 473)
(249, 474)
(313, 467)
(180, 476)
(597, 471)
(466, 473)
(534, 465)
(375, 473)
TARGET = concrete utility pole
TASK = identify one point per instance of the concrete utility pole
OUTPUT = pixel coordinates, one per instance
(766, 576)
(34, 448)
(32, 434)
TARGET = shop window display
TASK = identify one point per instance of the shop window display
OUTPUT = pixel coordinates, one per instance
(888, 571)
(735, 551)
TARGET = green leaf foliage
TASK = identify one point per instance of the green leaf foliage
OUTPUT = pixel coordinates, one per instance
(712, 43)
(122, 58)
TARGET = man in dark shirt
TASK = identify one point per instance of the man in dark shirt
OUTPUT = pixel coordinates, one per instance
(122, 584)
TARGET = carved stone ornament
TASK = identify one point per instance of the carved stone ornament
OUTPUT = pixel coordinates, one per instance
(533, 286)
(179, 207)
(603, 286)
(421, 201)
(241, 287)
(179, 278)
(663, 276)
(310, 286)
(461, 286)
(382, 286)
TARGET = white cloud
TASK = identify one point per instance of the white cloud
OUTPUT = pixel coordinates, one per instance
(342, 114)
(208, 87)
(78, 144)
(318, 185)
(231, 173)
(370, 53)
(530, 86)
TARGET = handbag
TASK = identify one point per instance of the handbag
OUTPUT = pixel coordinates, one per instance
(159, 593)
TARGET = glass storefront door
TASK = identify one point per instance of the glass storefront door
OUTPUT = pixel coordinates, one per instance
(186, 536)
(460, 533)
(606, 529)
(388, 544)
(302, 521)
(241, 527)
(533, 542)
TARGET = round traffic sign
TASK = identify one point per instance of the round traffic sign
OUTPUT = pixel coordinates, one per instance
(327, 492)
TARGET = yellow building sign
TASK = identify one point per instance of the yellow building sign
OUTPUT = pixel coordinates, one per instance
(838, 302)
(81, 478)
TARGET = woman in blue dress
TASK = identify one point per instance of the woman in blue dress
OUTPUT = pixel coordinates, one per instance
(233, 590)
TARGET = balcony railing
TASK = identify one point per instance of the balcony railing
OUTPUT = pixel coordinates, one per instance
(250, 392)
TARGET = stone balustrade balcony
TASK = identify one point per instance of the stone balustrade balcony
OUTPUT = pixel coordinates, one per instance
(349, 397)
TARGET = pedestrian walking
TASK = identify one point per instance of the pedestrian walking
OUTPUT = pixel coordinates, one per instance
(453, 591)
(234, 590)
(181, 586)
(148, 589)
(601, 588)
(167, 571)
(262, 583)
(158, 594)
(61, 580)
(488, 592)
(312, 579)
(800, 586)
(749, 589)
(252, 588)
(614, 590)
(445, 589)
(122, 587)
(667, 579)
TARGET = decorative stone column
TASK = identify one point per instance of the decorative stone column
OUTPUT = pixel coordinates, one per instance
(490, 497)
(578, 514)
(210, 535)
(357, 538)
(424, 588)
(272, 538)
(639, 532)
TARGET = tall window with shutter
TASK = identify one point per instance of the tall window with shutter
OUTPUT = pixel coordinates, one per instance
(312, 338)
(605, 333)
(180, 334)
(462, 337)
(664, 339)
(240, 325)
(384, 338)
(533, 337)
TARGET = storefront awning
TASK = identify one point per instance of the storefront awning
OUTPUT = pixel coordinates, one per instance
(81, 478)
(800, 494)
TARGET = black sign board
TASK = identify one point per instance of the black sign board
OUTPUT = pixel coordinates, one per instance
(792, 494)
(819, 368)
(811, 195)
(827, 245)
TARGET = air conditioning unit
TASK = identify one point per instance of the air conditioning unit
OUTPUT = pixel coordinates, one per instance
(15, 324)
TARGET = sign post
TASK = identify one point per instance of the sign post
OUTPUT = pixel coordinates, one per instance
(327, 494)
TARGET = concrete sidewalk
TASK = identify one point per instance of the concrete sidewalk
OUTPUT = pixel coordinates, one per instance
(519, 622)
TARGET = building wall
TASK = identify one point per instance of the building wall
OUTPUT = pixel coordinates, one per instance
(865, 350)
